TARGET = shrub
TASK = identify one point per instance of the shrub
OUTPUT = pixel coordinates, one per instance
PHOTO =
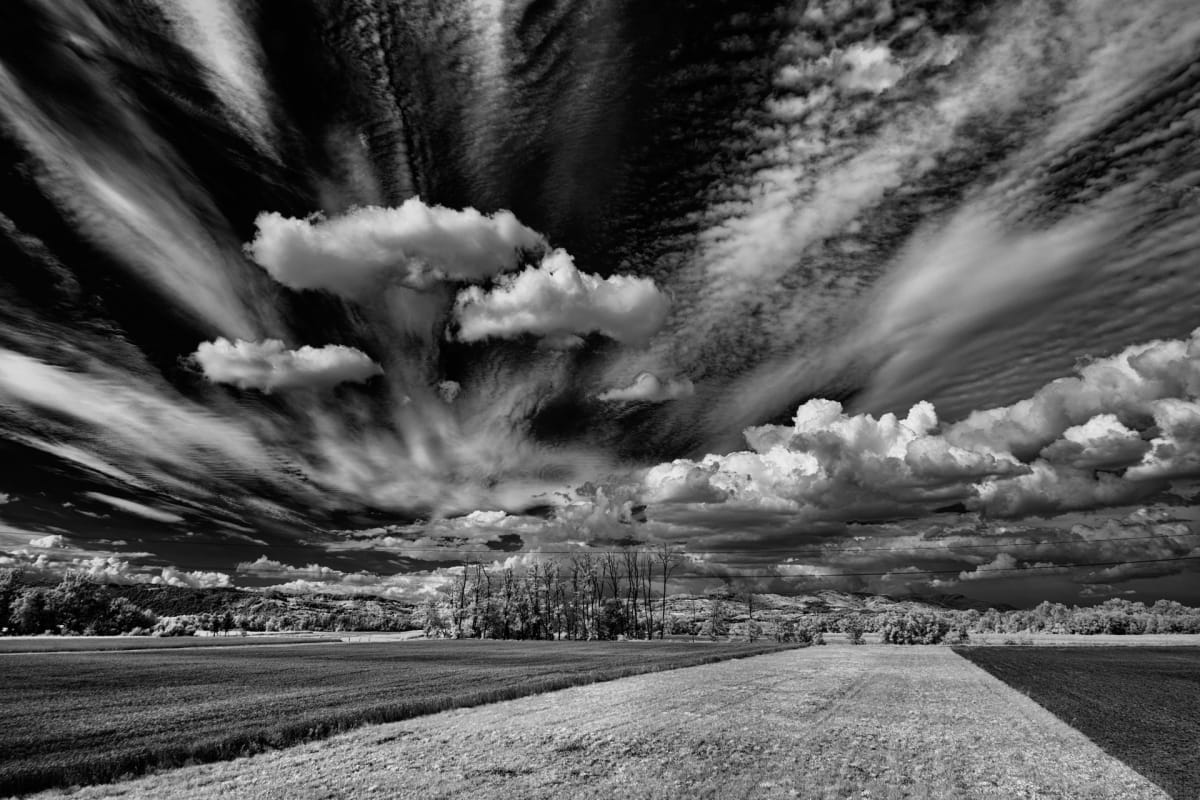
(914, 628)
(853, 628)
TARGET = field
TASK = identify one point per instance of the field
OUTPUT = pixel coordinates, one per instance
(1142, 705)
(93, 644)
(94, 716)
(879, 722)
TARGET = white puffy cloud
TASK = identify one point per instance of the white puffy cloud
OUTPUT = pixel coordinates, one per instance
(1101, 442)
(195, 579)
(557, 301)
(868, 68)
(414, 245)
(264, 566)
(110, 568)
(649, 388)
(51, 541)
(833, 466)
(269, 364)
(1113, 435)
(1126, 385)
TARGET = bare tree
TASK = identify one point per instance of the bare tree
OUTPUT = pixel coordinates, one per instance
(669, 557)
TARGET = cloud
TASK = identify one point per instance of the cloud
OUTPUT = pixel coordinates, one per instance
(195, 579)
(1128, 385)
(47, 542)
(414, 245)
(138, 509)
(6, 498)
(649, 388)
(269, 365)
(557, 301)
(828, 465)
(868, 68)
(217, 35)
(1116, 434)
(113, 569)
(263, 566)
(1100, 443)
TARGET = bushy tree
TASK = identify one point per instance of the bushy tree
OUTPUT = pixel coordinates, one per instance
(914, 628)
(29, 614)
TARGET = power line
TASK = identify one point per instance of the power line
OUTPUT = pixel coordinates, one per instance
(816, 549)
(901, 573)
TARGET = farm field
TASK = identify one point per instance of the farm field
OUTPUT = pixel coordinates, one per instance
(883, 722)
(1043, 639)
(93, 644)
(83, 717)
(1141, 705)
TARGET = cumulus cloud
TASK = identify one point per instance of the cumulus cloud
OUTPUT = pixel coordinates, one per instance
(827, 464)
(868, 68)
(414, 245)
(649, 388)
(557, 301)
(1116, 434)
(269, 365)
(1128, 385)
(263, 566)
(113, 569)
(51, 541)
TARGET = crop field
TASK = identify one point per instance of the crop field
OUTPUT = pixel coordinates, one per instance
(819, 723)
(93, 644)
(1142, 704)
(74, 718)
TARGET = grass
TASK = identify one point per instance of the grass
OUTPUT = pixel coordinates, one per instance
(1141, 705)
(77, 718)
(823, 723)
(94, 644)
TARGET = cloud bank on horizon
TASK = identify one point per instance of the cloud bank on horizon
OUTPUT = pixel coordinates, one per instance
(879, 296)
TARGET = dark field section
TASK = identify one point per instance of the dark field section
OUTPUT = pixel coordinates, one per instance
(95, 644)
(1141, 704)
(73, 718)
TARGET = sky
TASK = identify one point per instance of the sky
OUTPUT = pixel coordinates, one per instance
(886, 297)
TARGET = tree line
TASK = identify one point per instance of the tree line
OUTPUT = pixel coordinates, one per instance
(608, 595)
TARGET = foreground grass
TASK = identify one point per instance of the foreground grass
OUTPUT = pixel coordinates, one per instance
(822, 723)
(76, 718)
(1141, 705)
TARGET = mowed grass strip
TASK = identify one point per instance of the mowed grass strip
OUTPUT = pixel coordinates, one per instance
(1140, 704)
(77, 718)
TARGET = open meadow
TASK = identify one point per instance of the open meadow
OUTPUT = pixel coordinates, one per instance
(1141, 705)
(883, 722)
(80, 717)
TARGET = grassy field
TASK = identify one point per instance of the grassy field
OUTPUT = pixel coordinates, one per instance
(73, 718)
(820, 723)
(94, 644)
(1142, 705)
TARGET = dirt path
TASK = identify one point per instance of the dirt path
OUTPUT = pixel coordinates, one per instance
(824, 722)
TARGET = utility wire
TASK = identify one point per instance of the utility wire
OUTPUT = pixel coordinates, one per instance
(812, 548)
